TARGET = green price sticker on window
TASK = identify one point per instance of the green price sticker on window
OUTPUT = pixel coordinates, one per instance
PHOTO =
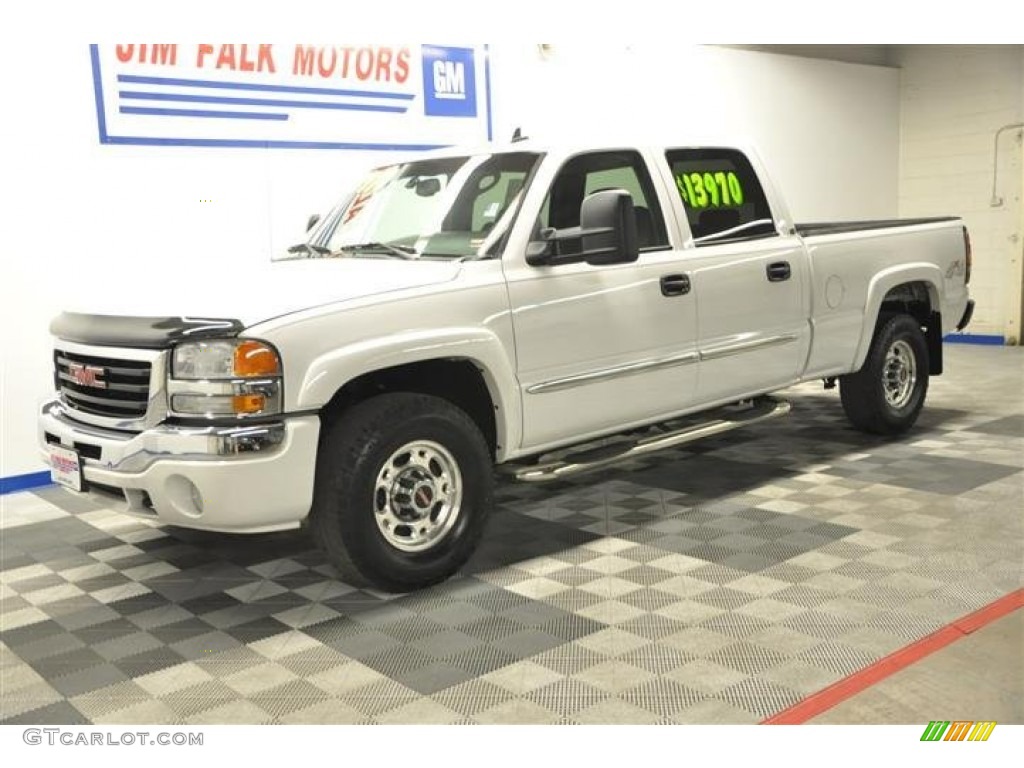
(710, 189)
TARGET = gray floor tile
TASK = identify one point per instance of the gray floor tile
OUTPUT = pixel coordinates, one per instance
(721, 582)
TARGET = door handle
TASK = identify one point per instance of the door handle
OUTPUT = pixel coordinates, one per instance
(778, 271)
(675, 285)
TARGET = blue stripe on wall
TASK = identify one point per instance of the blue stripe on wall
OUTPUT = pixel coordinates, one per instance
(157, 111)
(974, 338)
(97, 86)
(487, 85)
(246, 102)
(24, 482)
(261, 87)
(265, 144)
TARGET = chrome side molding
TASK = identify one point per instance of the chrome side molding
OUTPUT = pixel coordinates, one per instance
(643, 366)
(629, 369)
(728, 350)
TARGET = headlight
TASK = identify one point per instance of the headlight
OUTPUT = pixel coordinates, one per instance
(224, 378)
(225, 359)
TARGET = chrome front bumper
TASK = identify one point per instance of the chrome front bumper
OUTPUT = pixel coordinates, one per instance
(243, 478)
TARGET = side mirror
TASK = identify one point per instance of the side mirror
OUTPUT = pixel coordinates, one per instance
(608, 221)
(606, 234)
(311, 221)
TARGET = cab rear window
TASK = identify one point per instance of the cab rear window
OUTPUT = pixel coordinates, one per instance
(722, 196)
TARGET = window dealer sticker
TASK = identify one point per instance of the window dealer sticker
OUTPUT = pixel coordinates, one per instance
(710, 189)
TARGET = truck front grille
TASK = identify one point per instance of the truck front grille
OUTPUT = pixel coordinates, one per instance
(103, 386)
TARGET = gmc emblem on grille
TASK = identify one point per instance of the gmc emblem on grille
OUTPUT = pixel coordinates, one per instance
(87, 375)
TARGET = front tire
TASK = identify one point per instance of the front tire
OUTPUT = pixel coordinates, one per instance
(403, 488)
(886, 395)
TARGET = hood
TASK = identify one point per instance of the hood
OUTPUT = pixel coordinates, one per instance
(258, 292)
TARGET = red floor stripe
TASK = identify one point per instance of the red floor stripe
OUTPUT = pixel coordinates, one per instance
(842, 690)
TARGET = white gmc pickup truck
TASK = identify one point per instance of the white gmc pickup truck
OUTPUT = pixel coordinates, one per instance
(546, 309)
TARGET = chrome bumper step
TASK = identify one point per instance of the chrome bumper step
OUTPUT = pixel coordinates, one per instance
(591, 456)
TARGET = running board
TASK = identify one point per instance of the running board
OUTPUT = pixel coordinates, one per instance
(732, 417)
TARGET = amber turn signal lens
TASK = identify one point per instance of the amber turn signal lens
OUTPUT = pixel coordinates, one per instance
(248, 403)
(253, 358)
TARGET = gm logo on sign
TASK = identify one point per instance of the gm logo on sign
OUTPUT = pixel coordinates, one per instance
(449, 82)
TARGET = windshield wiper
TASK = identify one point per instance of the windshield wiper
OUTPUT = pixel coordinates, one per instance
(401, 251)
(310, 249)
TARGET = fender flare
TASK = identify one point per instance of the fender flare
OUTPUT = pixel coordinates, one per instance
(881, 284)
(329, 372)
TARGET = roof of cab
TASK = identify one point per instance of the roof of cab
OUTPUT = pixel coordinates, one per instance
(567, 147)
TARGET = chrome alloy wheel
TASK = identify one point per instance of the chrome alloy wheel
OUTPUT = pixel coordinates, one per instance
(899, 374)
(418, 496)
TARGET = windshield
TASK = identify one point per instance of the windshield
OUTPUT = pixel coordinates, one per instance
(452, 207)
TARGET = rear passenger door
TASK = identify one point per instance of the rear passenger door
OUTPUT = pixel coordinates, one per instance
(749, 281)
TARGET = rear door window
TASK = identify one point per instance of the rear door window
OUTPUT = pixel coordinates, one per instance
(722, 196)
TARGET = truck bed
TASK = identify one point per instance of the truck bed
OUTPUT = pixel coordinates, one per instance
(840, 227)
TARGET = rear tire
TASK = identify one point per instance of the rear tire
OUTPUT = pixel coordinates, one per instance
(886, 395)
(403, 488)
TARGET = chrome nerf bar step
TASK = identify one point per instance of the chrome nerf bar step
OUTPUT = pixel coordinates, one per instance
(586, 459)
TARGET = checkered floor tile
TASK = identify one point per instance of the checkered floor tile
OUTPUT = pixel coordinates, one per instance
(721, 582)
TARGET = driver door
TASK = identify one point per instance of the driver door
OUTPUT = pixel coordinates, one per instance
(600, 348)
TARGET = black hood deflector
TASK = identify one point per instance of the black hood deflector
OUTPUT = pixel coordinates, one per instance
(139, 332)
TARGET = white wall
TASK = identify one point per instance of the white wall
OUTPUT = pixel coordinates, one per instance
(74, 211)
(827, 130)
(953, 99)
